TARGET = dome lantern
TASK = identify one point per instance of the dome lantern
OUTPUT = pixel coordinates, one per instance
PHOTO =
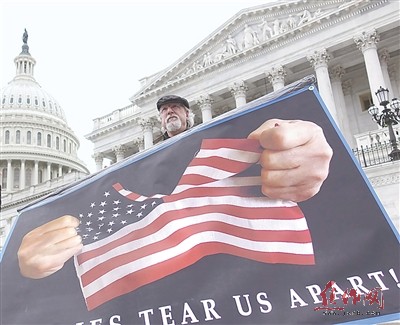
(24, 62)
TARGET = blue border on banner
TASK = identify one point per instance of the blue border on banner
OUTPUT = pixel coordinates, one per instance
(8, 237)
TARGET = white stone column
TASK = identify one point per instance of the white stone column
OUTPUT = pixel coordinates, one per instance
(48, 177)
(347, 87)
(319, 61)
(366, 42)
(22, 175)
(393, 70)
(147, 128)
(205, 103)
(10, 176)
(384, 58)
(36, 173)
(140, 144)
(336, 74)
(119, 151)
(238, 90)
(276, 77)
(98, 159)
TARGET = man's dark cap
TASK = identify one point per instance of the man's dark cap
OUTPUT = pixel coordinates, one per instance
(172, 99)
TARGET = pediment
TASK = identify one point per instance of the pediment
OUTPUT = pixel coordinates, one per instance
(250, 31)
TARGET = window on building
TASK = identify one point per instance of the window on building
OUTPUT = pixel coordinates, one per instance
(366, 101)
(28, 177)
(65, 145)
(19, 100)
(39, 139)
(28, 100)
(16, 177)
(4, 100)
(36, 102)
(4, 179)
(70, 148)
(18, 137)
(29, 137)
(11, 99)
(7, 137)
(40, 176)
(49, 141)
(57, 143)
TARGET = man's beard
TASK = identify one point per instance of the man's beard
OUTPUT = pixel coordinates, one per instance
(173, 125)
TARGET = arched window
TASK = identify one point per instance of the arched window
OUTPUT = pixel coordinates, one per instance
(57, 143)
(28, 177)
(4, 179)
(49, 141)
(28, 100)
(7, 137)
(4, 100)
(65, 145)
(18, 137)
(70, 148)
(16, 177)
(39, 139)
(29, 137)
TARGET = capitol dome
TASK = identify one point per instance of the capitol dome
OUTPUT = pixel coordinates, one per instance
(23, 92)
(37, 145)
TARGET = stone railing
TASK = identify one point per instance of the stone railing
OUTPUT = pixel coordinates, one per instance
(376, 136)
(115, 116)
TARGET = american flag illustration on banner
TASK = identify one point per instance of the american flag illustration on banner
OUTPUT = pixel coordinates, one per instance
(131, 240)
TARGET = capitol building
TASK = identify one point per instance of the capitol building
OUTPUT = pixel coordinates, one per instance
(38, 150)
(351, 46)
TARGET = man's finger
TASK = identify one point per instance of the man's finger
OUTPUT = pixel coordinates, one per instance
(59, 223)
(74, 243)
(282, 135)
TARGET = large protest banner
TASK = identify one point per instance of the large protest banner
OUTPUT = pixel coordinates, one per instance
(169, 242)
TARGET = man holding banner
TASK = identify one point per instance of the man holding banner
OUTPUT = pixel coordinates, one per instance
(205, 229)
(295, 162)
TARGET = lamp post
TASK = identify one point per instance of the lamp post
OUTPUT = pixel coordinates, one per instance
(388, 117)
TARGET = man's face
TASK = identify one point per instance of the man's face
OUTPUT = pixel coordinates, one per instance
(173, 118)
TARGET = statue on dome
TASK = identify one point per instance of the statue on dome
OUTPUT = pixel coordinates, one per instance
(25, 37)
